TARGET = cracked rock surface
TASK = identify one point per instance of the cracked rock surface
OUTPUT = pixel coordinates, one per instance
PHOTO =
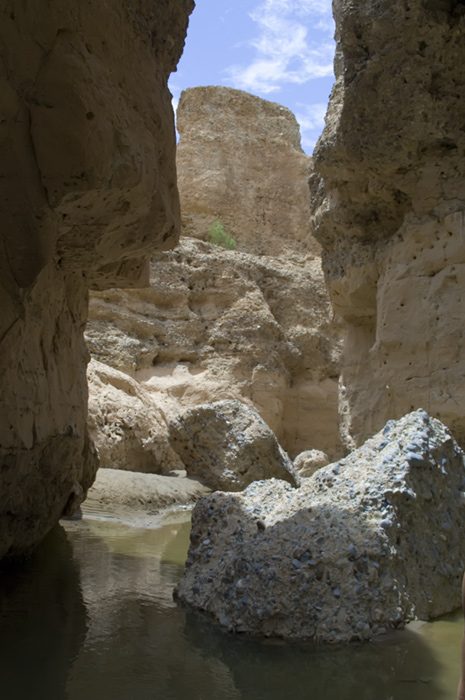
(363, 546)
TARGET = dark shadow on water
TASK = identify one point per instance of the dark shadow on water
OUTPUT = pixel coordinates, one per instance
(42, 621)
(396, 667)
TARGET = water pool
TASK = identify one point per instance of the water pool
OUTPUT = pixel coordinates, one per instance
(91, 616)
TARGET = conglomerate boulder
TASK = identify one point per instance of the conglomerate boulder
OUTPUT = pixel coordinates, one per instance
(389, 210)
(364, 545)
(226, 445)
(87, 189)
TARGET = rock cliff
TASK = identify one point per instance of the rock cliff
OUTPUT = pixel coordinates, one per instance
(87, 189)
(217, 324)
(254, 324)
(239, 161)
(389, 209)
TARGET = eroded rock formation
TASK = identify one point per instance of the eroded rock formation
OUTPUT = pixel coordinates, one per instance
(219, 324)
(239, 161)
(87, 188)
(389, 210)
(364, 545)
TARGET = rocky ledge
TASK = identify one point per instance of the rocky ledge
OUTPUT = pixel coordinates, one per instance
(364, 545)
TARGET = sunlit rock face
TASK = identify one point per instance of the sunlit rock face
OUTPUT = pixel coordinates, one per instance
(364, 545)
(239, 161)
(128, 428)
(223, 324)
(87, 188)
(389, 208)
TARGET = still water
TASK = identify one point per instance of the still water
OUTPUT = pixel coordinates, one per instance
(91, 616)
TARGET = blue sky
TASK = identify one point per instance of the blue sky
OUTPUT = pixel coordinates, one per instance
(281, 50)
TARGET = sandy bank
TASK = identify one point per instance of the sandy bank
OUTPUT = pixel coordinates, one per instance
(139, 499)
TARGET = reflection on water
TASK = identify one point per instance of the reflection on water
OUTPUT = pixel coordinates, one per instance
(91, 616)
(42, 621)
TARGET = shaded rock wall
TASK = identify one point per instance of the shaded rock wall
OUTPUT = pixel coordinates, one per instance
(239, 161)
(87, 188)
(389, 209)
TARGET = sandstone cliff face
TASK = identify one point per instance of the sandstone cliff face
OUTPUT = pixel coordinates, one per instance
(217, 324)
(239, 161)
(254, 324)
(87, 188)
(389, 210)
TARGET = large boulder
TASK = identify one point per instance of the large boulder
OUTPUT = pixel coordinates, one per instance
(364, 545)
(87, 190)
(389, 210)
(128, 429)
(226, 445)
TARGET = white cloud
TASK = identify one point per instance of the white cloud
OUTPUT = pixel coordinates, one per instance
(311, 119)
(293, 45)
(312, 116)
(175, 95)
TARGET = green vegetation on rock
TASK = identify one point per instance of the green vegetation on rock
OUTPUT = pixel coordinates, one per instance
(219, 237)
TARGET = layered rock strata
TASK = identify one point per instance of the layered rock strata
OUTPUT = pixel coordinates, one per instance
(218, 324)
(239, 161)
(389, 210)
(364, 545)
(227, 446)
(87, 188)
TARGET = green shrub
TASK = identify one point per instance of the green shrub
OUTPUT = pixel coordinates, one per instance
(219, 237)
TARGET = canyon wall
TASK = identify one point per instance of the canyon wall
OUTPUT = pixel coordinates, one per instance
(253, 324)
(239, 161)
(87, 189)
(388, 208)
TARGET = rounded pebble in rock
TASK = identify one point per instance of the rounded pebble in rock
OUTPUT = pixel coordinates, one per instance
(352, 550)
(414, 459)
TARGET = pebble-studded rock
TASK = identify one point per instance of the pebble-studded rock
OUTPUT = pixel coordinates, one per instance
(363, 546)
(227, 445)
